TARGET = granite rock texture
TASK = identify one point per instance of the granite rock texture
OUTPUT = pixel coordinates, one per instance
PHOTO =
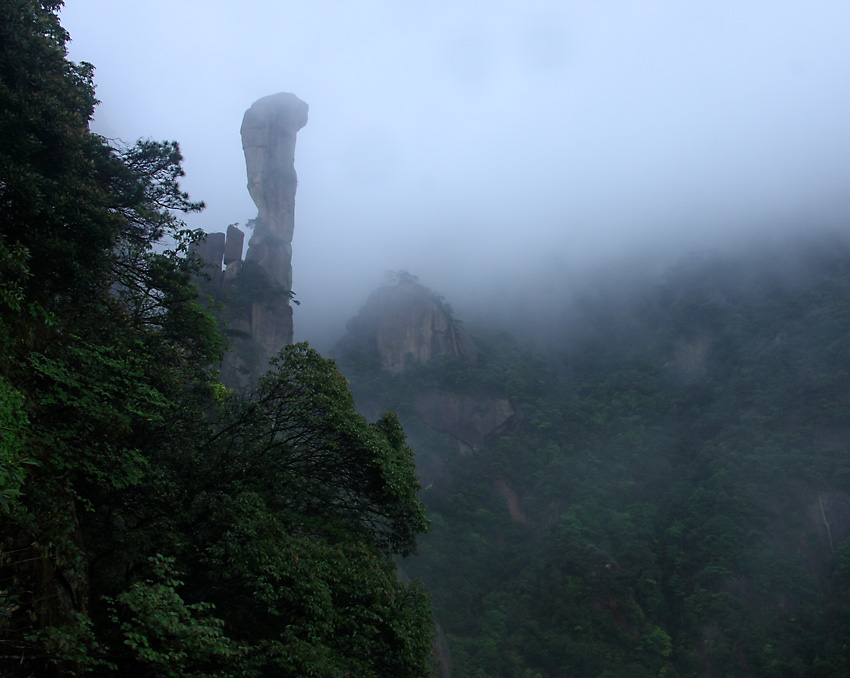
(406, 322)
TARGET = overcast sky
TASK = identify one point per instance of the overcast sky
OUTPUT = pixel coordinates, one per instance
(477, 143)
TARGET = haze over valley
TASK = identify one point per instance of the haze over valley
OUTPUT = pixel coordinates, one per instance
(513, 341)
(487, 148)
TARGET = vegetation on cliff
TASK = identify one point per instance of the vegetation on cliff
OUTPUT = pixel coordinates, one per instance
(152, 523)
(674, 497)
(670, 495)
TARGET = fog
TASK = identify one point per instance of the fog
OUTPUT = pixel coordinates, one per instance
(486, 146)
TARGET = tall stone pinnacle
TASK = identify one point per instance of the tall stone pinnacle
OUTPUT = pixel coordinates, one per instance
(269, 129)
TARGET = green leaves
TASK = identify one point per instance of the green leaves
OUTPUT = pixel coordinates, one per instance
(151, 522)
(346, 469)
(303, 604)
(692, 436)
(166, 635)
(14, 427)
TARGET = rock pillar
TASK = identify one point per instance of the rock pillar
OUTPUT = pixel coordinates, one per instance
(269, 128)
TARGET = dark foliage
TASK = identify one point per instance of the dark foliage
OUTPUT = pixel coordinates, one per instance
(151, 522)
(675, 499)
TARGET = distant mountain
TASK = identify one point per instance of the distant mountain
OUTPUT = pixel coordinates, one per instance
(405, 328)
(404, 322)
(670, 495)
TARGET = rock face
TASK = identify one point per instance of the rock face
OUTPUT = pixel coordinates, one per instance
(234, 242)
(269, 128)
(256, 292)
(211, 250)
(404, 323)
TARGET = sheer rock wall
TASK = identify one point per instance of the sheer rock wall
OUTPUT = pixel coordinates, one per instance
(269, 129)
(256, 292)
(407, 323)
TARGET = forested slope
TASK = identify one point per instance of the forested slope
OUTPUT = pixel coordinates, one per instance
(674, 498)
(152, 523)
(668, 493)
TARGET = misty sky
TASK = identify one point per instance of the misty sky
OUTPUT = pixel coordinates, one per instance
(479, 143)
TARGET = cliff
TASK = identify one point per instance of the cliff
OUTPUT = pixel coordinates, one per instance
(256, 292)
(403, 323)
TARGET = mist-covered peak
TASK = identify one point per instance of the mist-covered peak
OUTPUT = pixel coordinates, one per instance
(404, 322)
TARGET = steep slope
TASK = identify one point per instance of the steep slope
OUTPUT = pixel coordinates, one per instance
(255, 294)
(404, 322)
(406, 329)
(674, 496)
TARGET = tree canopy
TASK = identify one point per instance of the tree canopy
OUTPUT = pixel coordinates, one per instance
(152, 523)
(673, 498)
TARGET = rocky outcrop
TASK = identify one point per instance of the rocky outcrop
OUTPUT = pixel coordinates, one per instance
(256, 292)
(241, 363)
(212, 250)
(269, 129)
(234, 243)
(406, 322)
(512, 501)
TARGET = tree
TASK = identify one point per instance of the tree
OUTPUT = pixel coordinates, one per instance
(50, 164)
(280, 523)
(297, 508)
(99, 334)
(152, 523)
